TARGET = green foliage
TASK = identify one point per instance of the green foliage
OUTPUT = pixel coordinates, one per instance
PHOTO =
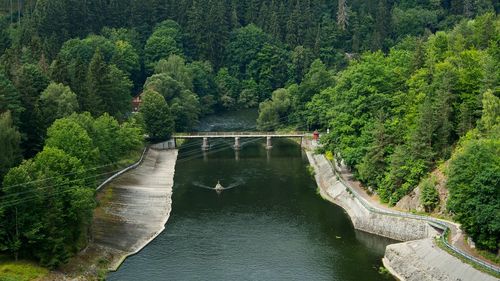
(274, 112)
(393, 113)
(30, 82)
(72, 63)
(245, 44)
(249, 95)
(107, 89)
(70, 137)
(311, 171)
(55, 102)
(429, 196)
(186, 110)
(474, 178)
(174, 82)
(473, 183)
(414, 21)
(204, 85)
(10, 99)
(394, 116)
(175, 67)
(47, 201)
(301, 59)
(489, 124)
(10, 141)
(228, 88)
(384, 272)
(21, 271)
(270, 68)
(126, 59)
(163, 42)
(157, 117)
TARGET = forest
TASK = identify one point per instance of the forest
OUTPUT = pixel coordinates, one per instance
(402, 86)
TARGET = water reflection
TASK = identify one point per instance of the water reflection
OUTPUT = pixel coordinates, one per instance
(273, 226)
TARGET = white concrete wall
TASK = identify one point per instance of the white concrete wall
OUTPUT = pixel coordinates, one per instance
(417, 260)
(401, 229)
(423, 260)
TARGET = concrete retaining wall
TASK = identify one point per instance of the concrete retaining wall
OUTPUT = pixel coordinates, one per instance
(422, 260)
(135, 207)
(397, 228)
(419, 259)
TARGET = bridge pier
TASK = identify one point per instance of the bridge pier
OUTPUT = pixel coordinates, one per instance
(237, 155)
(269, 144)
(237, 144)
(205, 146)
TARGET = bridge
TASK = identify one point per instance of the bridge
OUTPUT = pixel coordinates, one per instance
(237, 136)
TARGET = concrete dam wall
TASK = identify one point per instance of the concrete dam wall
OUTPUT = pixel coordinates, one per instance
(135, 207)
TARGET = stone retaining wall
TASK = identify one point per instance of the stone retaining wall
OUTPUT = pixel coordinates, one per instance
(423, 260)
(397, 228)
(417, 260)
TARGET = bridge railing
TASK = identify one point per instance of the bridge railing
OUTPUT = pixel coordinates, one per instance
(236, 134)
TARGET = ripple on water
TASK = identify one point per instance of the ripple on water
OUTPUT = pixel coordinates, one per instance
(272, 227)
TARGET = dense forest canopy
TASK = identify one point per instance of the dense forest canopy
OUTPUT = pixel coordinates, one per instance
(400, 84)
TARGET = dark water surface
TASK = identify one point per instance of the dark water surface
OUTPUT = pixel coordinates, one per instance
(241, 120)
(271, 226)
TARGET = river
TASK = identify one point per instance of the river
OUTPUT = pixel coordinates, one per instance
(270, 225)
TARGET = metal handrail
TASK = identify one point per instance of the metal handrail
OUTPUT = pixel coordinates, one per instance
(121, 172)
(247, 133)
(443, 225)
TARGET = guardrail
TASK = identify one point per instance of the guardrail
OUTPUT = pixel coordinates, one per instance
(133, 166)
(443, 225)
(236, 134)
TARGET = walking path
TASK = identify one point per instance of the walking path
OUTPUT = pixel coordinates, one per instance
(457, 238)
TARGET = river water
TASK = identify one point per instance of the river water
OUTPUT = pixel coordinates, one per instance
(270, 224)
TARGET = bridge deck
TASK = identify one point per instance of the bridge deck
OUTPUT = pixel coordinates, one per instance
(239, 134)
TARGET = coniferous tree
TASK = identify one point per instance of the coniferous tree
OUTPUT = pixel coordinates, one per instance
(30, 83)
(95, 85)
(10, 144)
(10, 99)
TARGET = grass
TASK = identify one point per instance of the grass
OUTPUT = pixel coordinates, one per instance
(489, 256)
(385, 273)
(311, 171)
(107, 195)
(132, 157)
(20, 271)
(179, 142)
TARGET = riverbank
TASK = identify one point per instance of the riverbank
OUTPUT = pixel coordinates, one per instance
(364, 217)
(270, 224)
(333, 189)
(424, 260)
(133, 209)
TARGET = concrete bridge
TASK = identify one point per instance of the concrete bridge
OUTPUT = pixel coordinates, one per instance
(238, 136)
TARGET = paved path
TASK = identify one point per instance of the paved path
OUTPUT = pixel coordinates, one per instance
(199, 135)
(456, 237)
(428, 262)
